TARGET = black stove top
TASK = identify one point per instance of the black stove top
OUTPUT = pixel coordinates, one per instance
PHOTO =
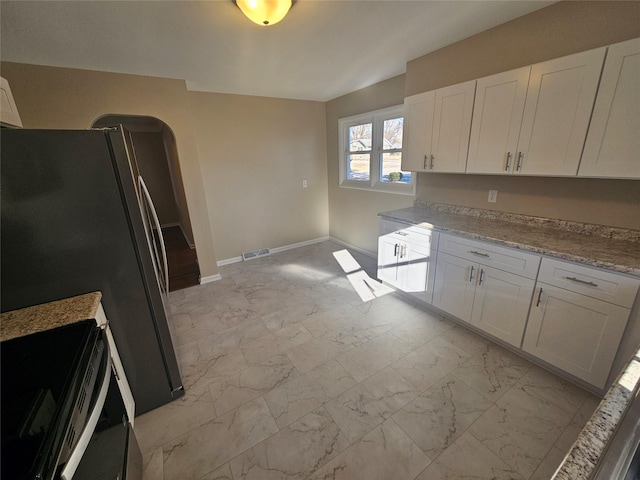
(40, 378)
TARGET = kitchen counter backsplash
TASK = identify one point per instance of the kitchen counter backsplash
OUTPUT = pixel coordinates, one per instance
(612, 248)
(570, 226)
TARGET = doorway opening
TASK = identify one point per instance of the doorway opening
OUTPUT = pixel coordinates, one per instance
(154, 152)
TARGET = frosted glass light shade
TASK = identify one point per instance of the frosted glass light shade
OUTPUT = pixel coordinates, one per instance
(264, 12)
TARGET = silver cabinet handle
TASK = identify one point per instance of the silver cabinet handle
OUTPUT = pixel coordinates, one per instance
(426, 158)
(395, 250)
(480, 253)
(400, 232)
(574, 279)
(481, 276)
(471, 274)
(403, 251)
(506, 168)
(539, 298)
(432, 158)
(520, 158)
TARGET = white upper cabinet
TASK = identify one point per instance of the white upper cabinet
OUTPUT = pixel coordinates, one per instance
(534, 120)
(451, 127)
(437, 126)
(557, 111)
(418, 125)
(612, 148)
(497, 116)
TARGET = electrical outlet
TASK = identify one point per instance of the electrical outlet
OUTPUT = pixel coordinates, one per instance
(304, 184)
(493, 196)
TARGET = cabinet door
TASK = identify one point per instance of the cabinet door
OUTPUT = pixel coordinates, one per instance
(557, 112)
(613, 143)
(501, 304)
(418, 126)
(451, 127)
(388, 260)
(454, 285)
(497, 116)
(576, 333)
(415, 272)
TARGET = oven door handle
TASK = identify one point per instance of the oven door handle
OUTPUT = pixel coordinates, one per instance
(71, 466)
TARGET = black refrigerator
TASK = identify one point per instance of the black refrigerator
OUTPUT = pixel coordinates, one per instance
(71, 224)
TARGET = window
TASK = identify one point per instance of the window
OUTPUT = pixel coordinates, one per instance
(371, 152)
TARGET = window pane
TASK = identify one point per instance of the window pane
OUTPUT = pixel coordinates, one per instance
(390, 169)
(392, 131)
(360, 137)
(358, 167)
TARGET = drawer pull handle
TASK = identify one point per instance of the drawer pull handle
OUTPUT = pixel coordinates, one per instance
(480, 253)
(404, 234)
(471, 274)
(520, 157)
(574, 279)
(539, 298)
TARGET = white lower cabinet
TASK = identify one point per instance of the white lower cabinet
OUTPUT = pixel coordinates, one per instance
(570, 327)
(572, 317)
(575, 333)
(454, 288)
(501, 304)
(404, 259)
(493, 300)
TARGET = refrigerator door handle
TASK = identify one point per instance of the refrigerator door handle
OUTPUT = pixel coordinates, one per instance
(163, 275)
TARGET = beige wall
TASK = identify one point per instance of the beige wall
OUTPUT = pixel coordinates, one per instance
(560, 29)
(254, 154)
(353, 213)
(49, 97)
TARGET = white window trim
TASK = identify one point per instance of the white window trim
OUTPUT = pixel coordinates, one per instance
(376, 118)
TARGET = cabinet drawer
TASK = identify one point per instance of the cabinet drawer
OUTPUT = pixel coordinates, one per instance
(502, 258)
(409, 233)
(608, 286)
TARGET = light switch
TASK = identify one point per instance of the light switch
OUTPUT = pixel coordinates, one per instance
(304, 184)
(493, 196)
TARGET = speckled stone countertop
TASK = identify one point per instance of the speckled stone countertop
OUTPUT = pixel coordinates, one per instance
(19, 323)
(599, 246)
(586, 453)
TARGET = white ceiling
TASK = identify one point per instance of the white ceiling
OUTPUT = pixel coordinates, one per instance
(321, 50)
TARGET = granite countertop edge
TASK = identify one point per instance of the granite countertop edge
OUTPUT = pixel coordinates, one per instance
(567, 241)
(583, 458)
(46, 316)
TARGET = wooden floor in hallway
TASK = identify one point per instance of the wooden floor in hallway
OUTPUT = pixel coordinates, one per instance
(182, 259)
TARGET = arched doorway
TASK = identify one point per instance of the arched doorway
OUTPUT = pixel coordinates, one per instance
(153, 150)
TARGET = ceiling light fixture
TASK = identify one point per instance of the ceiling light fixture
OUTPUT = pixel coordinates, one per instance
(264, 12)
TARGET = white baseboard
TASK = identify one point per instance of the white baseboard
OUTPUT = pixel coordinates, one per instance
(299, 244)
(353, 247)
(210, 278)
(228, 261)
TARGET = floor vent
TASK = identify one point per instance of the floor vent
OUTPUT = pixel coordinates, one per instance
(263, 252)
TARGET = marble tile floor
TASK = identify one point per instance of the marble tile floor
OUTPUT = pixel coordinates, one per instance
(289, 374)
